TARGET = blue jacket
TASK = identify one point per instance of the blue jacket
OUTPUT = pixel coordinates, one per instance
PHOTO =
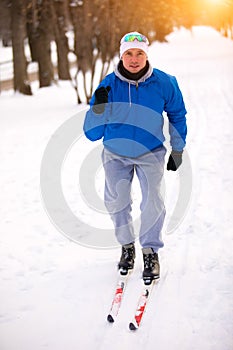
(132, 123)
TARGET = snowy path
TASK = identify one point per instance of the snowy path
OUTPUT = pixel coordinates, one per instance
(47, 298)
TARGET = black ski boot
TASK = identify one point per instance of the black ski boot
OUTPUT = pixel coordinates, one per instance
(151, 265)
(127, 258)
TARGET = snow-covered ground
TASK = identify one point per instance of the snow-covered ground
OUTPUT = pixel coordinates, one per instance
(55, 294)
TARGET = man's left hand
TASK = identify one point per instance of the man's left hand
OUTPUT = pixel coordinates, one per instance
(175, 160)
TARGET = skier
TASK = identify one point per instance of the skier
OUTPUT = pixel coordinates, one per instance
(126, 110)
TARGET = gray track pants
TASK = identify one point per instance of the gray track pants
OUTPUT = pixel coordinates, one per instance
(119, 172)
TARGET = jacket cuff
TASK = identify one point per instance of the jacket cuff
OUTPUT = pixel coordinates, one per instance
(177, 153)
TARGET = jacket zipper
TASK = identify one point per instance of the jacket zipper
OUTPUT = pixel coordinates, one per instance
(130, 101)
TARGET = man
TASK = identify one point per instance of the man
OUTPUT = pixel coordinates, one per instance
(127, 112)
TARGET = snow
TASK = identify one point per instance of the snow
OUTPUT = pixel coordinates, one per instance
(56, 294)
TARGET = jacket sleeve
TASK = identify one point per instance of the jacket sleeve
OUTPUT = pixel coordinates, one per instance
(94, 124)
(176, 112)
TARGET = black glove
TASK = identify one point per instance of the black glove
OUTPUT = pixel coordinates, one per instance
(175, 160)
(101, 97)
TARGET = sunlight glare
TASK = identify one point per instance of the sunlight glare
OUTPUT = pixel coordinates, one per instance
(216, 2)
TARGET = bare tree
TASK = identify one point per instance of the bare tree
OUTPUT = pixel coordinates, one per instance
(18, 16)
(59, 15)
(96, 32)
(5, 22)
(82, 16)
(39, 29)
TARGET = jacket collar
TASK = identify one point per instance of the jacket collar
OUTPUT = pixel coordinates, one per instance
(134, 82)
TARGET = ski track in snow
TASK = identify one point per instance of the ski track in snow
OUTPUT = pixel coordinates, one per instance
(56, 294)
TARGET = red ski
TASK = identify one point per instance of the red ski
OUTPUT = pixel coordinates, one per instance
(141, 307)
(117, 299)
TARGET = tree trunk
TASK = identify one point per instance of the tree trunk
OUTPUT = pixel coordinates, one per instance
(32, 32)
(21, 83)
(59, 20)
(46, 75)
(39, 29)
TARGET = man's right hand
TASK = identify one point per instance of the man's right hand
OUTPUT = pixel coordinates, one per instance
(101, 97)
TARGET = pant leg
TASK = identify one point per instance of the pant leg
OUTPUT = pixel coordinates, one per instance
(150, 169)
(119, 174)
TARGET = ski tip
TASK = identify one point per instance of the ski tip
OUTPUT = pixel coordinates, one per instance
(110, 319)
(132, 326)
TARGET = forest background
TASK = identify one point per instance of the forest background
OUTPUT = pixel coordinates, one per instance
(81, 34)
